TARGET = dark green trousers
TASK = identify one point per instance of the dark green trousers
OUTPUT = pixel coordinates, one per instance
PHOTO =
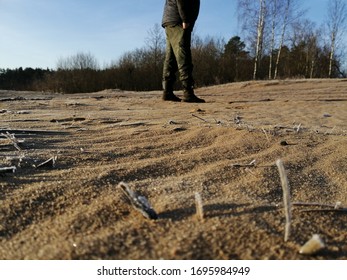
(178, 57)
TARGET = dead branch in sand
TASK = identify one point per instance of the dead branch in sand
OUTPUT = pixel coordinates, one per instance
(239, 165)
(133, 124)
(252, 164)
(29, 131)
(267, 137)
(20, 98)
(286, 198)
(344, 210)
(73, 119)
(50, 163)
(11, 169)
(337, 205)
(200, 118)
(297, 128)
(13, 140)
(138, 202)
(199, 206)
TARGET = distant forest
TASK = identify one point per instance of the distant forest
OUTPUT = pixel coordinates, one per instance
(278, 43)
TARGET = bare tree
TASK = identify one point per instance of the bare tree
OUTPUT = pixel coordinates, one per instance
(77, 73)
(252, 15)
(289, 12)
(336, 24)
(274, 17)
(79, 61)
(260, 36)
(155, 53)
(309, 49)
(284, 27)
(155, 42)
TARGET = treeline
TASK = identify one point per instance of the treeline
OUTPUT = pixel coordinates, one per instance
(215, 62)
(22, 79)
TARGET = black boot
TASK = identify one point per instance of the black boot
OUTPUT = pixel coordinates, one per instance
(168, 94)
(190, 97)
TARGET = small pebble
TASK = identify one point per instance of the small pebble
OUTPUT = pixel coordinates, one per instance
(313, 246)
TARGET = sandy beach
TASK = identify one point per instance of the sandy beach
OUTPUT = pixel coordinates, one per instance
(225, 150)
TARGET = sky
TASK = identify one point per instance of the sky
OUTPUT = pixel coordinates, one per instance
(37, 33)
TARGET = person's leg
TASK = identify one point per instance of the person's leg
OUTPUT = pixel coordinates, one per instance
(180, 40)
(169, 72)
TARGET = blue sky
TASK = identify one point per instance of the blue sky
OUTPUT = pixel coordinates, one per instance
(36, 33)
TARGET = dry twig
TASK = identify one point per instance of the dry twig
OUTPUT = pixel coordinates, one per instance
(199, 206)
(200, 118)
(13, 140)
(32, 131)
(343, 210)
(286, 198)
(298, 128)
(267, 137)
(48, 163)
(239, 165)
(140, 203)
(11, 169)
(337, 205)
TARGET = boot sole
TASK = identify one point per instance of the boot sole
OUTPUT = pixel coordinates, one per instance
(194, 101)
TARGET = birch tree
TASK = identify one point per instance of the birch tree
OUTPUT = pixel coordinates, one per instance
(289, 12)
(274, 18)
(252, 16)
(260, 36)
(336, 24)
(284, 28)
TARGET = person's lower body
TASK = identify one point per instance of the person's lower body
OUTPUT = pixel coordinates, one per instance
(178, 57)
